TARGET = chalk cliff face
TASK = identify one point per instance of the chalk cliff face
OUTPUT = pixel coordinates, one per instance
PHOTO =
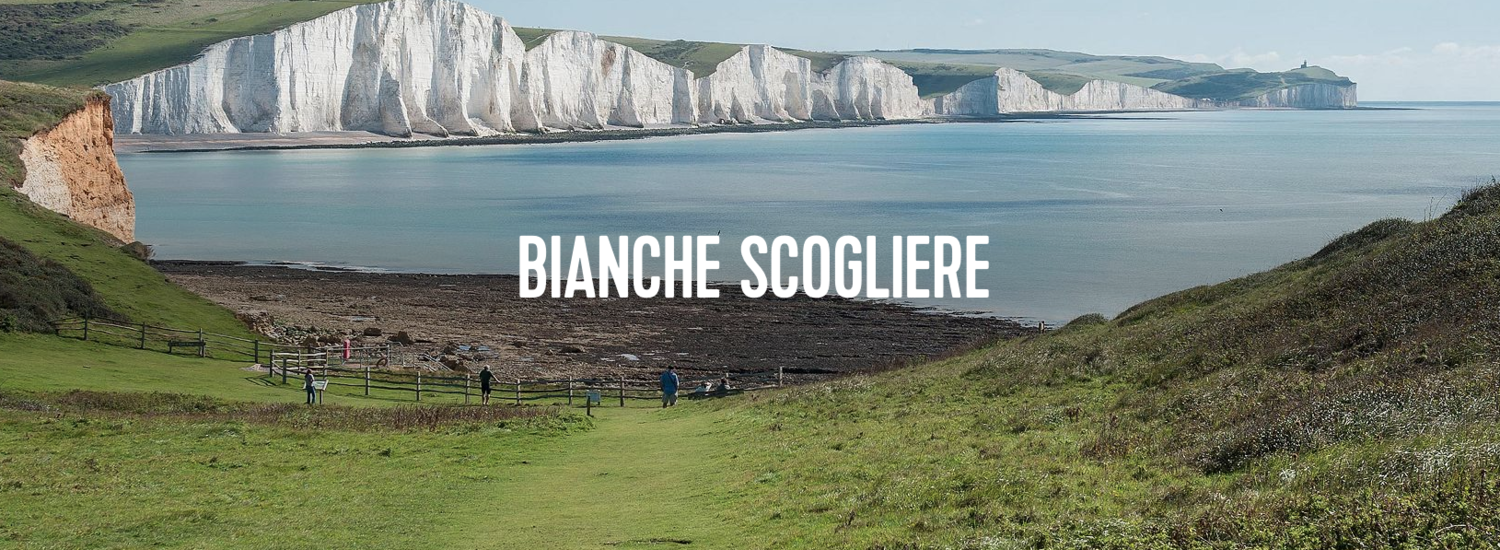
(575, 80)
(764, 84)
(1308, 96)
(71, 169)
(431, 66)
(1011, 91)
(863, 88)
(442, 67)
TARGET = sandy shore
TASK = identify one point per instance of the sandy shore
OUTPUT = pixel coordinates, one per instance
(585, 337)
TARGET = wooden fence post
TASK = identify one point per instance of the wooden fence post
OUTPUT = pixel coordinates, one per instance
(466, 388)
(143, 336)
(283, 368)
(780, 373)
(518, 391)
(85, 329)
(202, 349)
(622, 390)
(367, 381)
(419, 384)
(570, 392)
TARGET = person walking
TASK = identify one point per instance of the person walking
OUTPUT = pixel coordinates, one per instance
(485, 377)
(307, 384)
(669, 388)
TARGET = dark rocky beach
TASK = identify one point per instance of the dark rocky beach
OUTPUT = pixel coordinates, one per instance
(546, 337)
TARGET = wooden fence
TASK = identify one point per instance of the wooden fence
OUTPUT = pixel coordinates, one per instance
(368, 369)
(415, 385)
(223, 346)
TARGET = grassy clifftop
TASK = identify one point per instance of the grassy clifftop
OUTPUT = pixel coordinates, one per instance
(1249, 84)
(26, 109)
(92, 42)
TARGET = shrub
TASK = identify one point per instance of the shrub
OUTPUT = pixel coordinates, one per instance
(35, 291)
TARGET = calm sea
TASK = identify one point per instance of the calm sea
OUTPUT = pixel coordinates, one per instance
(1083, 215)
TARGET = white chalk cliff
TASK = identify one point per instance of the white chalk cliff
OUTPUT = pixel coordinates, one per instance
(1011, 91)
(442, 67)
(764, 84)
(1308, 96)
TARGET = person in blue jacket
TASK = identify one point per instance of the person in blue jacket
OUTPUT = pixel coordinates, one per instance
(669, 388)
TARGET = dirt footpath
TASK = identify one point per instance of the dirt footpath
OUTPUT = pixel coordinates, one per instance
(547, 337)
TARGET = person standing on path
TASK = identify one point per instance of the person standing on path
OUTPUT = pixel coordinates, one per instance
(307, 384)
(669, 388)
(485, 377)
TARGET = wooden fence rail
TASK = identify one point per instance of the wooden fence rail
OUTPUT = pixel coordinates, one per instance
(329, 363)
(212, 345)
(517, 391)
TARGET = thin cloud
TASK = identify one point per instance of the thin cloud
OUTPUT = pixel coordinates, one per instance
(1469, 52)
(1392, 58)
(1238, 57)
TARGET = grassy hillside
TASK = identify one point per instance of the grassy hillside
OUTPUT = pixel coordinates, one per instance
(1248, 84)
(1139, 70)
(92, 42)
(50, 243)
(124, 283)
(1345, 400)
(53, 267)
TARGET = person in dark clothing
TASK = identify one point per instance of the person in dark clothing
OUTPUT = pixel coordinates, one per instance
(485, 377)
(307, 384)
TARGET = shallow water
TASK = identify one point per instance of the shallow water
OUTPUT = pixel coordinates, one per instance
(1083, 215)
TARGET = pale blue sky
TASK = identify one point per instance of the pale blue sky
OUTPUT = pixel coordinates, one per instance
(1396, 50)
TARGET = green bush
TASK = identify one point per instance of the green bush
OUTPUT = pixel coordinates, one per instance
(35, 291)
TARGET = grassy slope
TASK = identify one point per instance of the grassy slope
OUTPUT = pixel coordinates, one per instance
(167, 33)
(1344, 400)
(47, 363)
(126, 284)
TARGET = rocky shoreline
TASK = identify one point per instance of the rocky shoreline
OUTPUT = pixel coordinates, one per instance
(544, 337)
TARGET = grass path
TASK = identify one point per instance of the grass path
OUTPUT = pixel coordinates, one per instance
(642, 478)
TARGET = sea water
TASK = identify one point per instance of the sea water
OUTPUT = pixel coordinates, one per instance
(1088, 215)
